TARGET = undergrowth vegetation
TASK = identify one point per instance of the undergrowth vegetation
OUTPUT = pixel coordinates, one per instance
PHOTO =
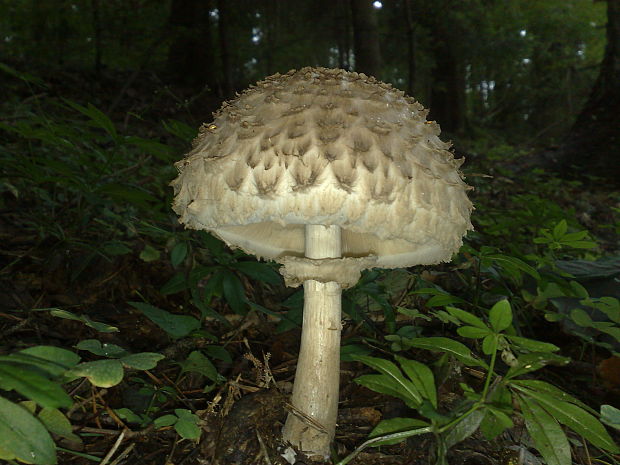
(534, 287)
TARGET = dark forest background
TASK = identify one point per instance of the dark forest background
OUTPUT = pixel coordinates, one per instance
(512, 72)
(126, 339)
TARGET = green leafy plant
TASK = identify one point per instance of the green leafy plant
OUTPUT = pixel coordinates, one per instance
(185, 423)
(544, 407)
(38, 374)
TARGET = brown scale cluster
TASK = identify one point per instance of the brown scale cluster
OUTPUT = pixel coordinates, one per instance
(325, 146)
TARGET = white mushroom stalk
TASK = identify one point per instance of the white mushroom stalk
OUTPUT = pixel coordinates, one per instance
(329, 173)
(317, 379)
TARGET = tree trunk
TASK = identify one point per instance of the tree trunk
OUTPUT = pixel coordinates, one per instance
(190, 56)
(97, 28)
(447, 103)
(411, 64)
(182, 21)
(342, 24)
(225, 53)
(593, 143)
(366, 38)
(272, 30)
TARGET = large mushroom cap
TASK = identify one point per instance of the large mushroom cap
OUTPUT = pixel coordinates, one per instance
(330, 147)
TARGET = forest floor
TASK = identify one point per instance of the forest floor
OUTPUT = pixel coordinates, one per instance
(240, 414)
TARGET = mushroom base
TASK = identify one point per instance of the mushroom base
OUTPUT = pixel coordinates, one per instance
(311, 425)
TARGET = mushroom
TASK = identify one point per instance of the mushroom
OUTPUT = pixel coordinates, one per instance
(327, 172)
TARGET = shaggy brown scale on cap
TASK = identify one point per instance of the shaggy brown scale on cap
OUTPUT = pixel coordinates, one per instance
(331, 147)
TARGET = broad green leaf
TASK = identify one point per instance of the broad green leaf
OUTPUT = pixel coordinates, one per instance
(56, 422)
(33, 386)
(534, 361)
(178, 253)
(115, 248)
(101, 327)
(149, 254)
(464, 428)
(610, 416)
(516, 263)
(580, 244)
(580, 317)
(196, 362)
(142, 360)
(176, 326)
(105, 350)
(560, 229)
(165, 420)
(445, 317)
(395, 425)
(4, 453)
(130, 417)
(554, 317)
(29, 405)
(467, 317)
(389, 369)
(427, 410)
(234, 293)
(613, 332)
(489, 344)
(187, 429)
(545, 387)
(610, 306)
(177, 283)
(187, 424)
(449, 346)
(442, 300)
(547, 434)
(603, 268)
(494, 423)
(218, 352)
(349, 351)
(500, 316)
(576, 419)
(575, 236)
(101, 373)
(422, 378)
(60, 359)
(39, 365)
(472, 332)
(579, 290)
(23, 436)
(383, 384)
(413, 313)
(531, 344)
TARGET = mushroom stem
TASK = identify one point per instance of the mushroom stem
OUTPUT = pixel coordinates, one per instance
(317, 379)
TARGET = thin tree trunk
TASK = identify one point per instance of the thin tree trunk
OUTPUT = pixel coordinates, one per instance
(97, 28)
(593, 143)
(366, 38)
(411, 64)
(343, 20)
(448, 89)
(271, 30)
(191, 58)
(225, 53)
